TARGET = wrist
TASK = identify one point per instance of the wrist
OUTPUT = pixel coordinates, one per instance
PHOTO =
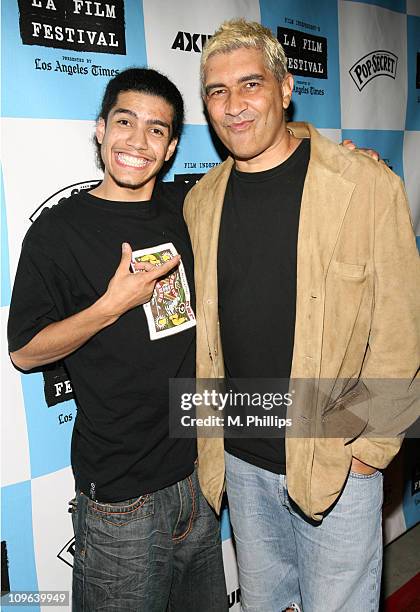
(103, 311)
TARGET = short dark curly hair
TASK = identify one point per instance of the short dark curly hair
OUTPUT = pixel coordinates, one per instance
(147, 81)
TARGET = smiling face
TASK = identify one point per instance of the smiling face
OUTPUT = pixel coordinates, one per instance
(246, 103)
(135, 143)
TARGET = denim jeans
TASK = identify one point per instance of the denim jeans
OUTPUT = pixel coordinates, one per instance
(287, 560)
(160, 552)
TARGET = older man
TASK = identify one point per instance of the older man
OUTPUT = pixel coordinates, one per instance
(306, 267)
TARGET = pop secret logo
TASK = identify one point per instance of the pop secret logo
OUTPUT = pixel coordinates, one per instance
(372, 65)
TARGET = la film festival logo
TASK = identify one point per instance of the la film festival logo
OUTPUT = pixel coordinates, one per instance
(374, 64)
(307, 53)
(79, 25)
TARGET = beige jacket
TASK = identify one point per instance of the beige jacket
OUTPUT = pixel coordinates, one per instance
(357, 320)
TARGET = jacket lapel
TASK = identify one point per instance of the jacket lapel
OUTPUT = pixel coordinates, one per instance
(211, 208)
(326, 197)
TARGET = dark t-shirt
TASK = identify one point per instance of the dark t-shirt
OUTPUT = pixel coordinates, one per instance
(257, 286)
(121, 446)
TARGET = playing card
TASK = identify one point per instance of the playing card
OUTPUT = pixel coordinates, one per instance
(169, 310)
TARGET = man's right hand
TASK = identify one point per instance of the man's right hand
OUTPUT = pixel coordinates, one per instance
(126, 289)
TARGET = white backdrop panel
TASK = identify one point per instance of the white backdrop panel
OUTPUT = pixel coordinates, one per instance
(52, 529)
(380, 105)
(231, 575)
(57, 153)
(334, 135)
(181, 25)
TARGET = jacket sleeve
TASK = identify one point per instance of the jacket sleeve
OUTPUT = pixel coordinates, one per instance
(391, 366)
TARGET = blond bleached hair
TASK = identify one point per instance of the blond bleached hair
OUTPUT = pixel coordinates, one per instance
(239, 33)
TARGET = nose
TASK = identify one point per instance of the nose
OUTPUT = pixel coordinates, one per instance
(235, 104)
(137, 138)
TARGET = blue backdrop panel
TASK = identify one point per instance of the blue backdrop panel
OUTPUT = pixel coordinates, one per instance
(226, 529)
(189, 159)
(16, 531)
(411, 501)
(40, 80)
(388, 142)
(310, 32)
(49, 428)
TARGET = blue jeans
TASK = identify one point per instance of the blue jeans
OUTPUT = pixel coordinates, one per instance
(160, 552)
(287, 560)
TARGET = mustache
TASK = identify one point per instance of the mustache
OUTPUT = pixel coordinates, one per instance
(246, 116)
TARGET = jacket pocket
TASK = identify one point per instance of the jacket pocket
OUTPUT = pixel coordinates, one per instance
(347, 318)
(350, 270)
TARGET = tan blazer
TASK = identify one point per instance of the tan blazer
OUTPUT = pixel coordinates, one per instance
(357, 332)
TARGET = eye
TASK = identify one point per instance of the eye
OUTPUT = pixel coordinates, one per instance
(157, 131)
(252, 85)
(217, 92)
(124, 122)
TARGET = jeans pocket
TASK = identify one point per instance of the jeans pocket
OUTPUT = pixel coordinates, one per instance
(123, 512)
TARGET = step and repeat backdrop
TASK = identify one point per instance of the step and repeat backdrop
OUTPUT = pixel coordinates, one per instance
(357, 75)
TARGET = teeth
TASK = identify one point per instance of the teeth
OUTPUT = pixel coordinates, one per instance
(136, 162)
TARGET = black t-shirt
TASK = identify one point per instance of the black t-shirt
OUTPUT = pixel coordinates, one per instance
(257, 285)
(121, 446)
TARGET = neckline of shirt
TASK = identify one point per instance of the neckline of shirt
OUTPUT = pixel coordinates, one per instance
(298, 154)
(144, 208)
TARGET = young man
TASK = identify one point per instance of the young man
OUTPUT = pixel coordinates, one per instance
(146, 539)
(305, 267)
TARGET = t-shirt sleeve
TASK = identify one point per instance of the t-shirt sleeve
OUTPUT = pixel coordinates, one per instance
(34, 304)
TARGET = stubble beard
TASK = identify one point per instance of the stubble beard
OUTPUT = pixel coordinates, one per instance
(132, 186)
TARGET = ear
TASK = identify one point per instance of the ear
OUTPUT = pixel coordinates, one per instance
(287, 88)
(171, 149)
(100, 130)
